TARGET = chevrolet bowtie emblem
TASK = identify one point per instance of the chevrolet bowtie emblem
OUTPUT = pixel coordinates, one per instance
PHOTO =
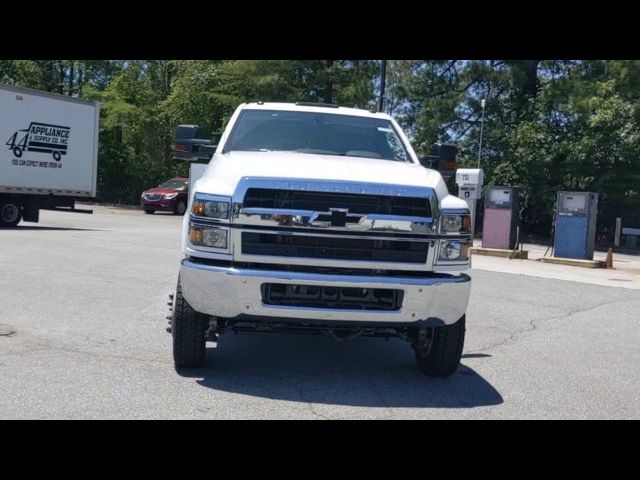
(336, 217)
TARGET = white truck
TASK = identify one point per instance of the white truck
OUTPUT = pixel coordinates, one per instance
(49, 154)
(321, 219)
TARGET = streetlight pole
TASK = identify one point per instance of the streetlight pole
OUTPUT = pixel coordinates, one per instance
(383, 81)
(483, 103)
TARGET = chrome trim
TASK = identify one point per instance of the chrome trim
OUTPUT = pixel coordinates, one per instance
(271, 211)
(325, 235)
(311, 185)
(236, 235)
(359, 222)
(211, 198)
(307, 218)
(153, 197)
(229, 292)
(245, 218)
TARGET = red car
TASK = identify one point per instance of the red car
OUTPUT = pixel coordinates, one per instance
(170, 196)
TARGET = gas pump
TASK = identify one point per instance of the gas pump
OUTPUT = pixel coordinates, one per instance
(470, 181)
(501, 217)
(575, 225)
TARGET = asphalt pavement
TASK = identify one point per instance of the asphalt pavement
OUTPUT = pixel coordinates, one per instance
(82, 335)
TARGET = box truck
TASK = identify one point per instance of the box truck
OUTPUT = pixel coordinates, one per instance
(48, 154)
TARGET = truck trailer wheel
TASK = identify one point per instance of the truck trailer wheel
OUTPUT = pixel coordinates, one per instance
(10, 213)
(438, 350)
(188, 329)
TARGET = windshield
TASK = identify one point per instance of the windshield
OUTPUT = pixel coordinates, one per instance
(320, 133)
(173, 183)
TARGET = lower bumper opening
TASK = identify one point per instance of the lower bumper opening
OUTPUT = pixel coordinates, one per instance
(341, 298)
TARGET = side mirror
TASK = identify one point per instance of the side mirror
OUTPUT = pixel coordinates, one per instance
(444, 161)
(189, 146)
(430, 161)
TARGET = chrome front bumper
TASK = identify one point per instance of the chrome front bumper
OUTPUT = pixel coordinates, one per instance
(230, 293)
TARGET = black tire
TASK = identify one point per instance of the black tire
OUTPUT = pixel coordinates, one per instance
(10, 213)
(188, 329)
(180, 208)
(149, 211)
(438, 350)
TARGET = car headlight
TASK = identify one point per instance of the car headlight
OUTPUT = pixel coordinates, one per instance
(211, 207)
(212, 237)
(458, 223)
(454, 250)
(170, 196)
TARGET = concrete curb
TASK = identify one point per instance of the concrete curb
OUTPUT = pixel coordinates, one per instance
(499, 252)
(574, 262)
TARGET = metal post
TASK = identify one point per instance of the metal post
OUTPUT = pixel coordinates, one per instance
(472, 213)
(383, 81)
(616, 238)
(483, 103)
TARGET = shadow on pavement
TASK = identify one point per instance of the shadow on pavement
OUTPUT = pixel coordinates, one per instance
(23, 227)
(366, 372)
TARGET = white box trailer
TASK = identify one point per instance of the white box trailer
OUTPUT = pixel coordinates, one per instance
(48, 154)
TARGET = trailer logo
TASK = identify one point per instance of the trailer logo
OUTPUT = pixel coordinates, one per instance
(41, 138)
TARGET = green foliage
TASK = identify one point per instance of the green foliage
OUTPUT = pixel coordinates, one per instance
(143, 101)
(548, 124)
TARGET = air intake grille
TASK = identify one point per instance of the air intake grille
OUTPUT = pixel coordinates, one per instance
(323, 201)
(341, 248)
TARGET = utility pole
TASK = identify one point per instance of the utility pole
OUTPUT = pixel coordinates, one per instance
(383, 81)
(482, 103)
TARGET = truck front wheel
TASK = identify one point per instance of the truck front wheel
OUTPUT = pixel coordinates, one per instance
(438, 350)
(188, 328)
(10, 213)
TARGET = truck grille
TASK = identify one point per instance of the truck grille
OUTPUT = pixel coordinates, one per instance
(324, 201)
(338, 248)
(313, 296)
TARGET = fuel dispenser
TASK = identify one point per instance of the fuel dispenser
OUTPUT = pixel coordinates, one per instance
(501, 217)
(575, 227)
(470, 182)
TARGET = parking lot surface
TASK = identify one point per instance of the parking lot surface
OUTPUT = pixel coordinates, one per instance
(82, 335)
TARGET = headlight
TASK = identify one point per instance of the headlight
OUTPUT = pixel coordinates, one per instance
(211, 207)
(459, 223)
(170, 196)
(454, 250)
(208, 236)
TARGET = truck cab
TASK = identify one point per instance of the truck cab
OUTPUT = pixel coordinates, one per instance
(321, 219)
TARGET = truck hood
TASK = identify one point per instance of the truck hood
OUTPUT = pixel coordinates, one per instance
(225, 171)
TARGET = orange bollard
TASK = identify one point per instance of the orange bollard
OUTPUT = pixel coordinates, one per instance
(609, 261)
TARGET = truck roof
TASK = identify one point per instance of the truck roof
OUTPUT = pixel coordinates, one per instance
(311, 107)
